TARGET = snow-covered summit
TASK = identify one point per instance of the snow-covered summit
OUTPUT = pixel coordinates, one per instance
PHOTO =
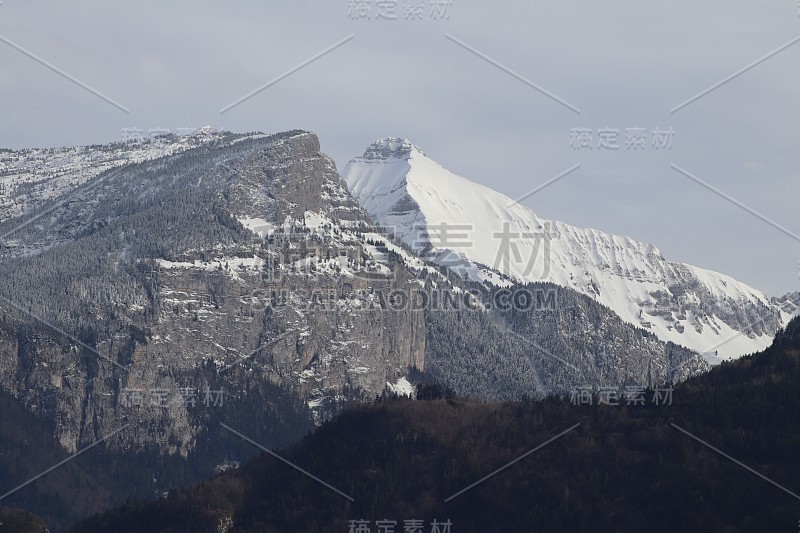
(391, 148)
(452, 220)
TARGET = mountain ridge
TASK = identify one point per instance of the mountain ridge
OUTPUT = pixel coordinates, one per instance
(417, 198)
(245, 265)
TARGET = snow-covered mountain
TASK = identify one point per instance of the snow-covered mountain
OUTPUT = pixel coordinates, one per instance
(245, 259)
(487, 236)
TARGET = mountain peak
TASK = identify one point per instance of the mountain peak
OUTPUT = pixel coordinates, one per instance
(406, 191)
(391, 148)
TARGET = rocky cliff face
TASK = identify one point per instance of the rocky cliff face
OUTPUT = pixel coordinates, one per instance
(164, 296)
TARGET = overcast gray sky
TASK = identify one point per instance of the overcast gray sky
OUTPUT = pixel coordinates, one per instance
(624, 64)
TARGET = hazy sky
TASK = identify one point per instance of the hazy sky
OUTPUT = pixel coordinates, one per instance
(624, 64)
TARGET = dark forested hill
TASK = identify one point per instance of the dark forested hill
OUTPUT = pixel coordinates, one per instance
(720, 455)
